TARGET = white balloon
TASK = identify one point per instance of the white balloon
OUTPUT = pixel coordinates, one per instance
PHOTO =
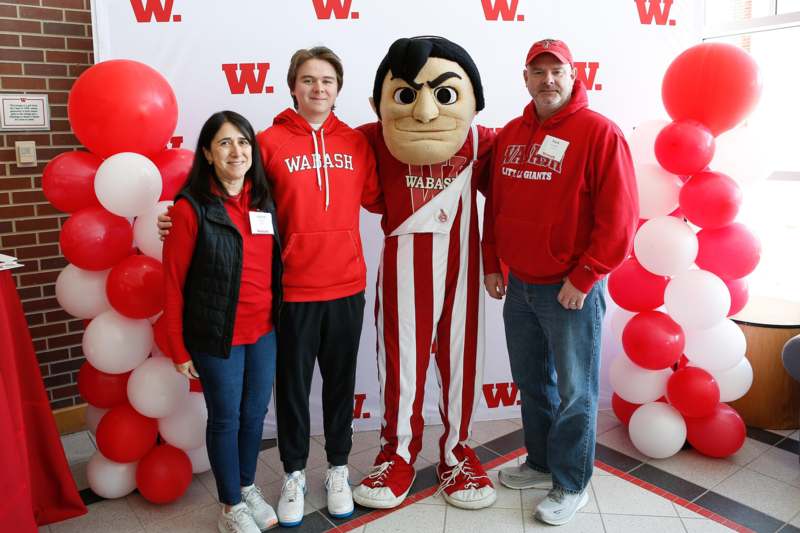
(145, 230)
(156, 389)
(658, 190)
(734, 382)
(657, 430)
(635, 384)
(127, 184)
(82, 293)
(665, 246)
(116, 344)
(619, 317)
(199, 459)
(109, 479)
(185, 428)
(642, 141)
(93, 416)
(718, 348)
(744, 154)
(697, 299)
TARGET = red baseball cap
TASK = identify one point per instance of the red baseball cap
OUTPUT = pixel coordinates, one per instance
(550, 46)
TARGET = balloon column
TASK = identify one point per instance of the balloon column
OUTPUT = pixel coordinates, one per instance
(678, 288)
(124, 112)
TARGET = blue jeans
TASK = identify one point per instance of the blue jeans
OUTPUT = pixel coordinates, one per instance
(237, 392)
(555, 362)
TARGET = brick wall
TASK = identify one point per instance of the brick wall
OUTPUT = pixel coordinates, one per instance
(44, 46)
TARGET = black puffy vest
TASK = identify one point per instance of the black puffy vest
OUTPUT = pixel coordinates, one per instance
(211, 290)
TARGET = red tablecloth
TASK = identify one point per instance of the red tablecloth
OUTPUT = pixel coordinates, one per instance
(36, 486)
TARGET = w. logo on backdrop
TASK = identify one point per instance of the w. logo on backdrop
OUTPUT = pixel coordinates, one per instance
(146, 11)
(501, 395)
(340, 9)
(586, 71)
(505, 10)
(247, 77)
(655, 11)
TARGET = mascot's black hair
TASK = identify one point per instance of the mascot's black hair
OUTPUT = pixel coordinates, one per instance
(406, 57)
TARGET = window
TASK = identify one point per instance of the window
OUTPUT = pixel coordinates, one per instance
(770, 31)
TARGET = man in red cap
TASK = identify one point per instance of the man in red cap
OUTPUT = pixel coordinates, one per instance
(561, 213)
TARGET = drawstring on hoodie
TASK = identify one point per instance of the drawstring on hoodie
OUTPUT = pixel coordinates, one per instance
(325, 168)
(321, 163)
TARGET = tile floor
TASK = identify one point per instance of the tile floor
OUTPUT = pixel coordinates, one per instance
(758, 489)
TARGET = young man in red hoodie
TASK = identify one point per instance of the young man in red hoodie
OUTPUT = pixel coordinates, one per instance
(321, 172)
(561, 213)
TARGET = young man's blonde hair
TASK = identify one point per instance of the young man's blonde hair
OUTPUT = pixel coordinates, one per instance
(318, 52)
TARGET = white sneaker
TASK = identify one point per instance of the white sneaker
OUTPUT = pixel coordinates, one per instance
(237, 520)
(262, 512)
(290, 506)
(524, 477)
(340, 496)
(559, 506)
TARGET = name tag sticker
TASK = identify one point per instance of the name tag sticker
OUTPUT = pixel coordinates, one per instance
(553, 148)
(261, 223)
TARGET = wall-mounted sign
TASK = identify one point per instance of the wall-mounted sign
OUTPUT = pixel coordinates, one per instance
(24, 112)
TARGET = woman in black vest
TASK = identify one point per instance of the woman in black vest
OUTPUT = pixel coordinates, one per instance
(222, 266)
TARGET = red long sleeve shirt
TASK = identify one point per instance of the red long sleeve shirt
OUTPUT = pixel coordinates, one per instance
(254, 308)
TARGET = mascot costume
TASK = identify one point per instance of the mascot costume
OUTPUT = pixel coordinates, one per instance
(431, 161)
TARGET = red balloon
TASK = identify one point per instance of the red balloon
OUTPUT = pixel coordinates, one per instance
(716, 84)
(94, 239)
(68, 181)
(174, 165)
(164, 474)
(653, 340)
(634, 288)
(684, 147)
(135, 286)
(693, 391)
(122, 106)
(739, 294)
(730, 252)
(101, 389)
(623, 409)
(124, 435)
(683, 362)
(710, 199)
(719, 434)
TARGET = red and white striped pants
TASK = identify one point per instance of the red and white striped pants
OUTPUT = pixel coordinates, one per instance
(430, 291)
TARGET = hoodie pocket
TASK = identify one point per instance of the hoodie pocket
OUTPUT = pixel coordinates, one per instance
(525, 246)
(322, 259)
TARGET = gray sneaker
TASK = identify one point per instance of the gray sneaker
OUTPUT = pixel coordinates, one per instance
(524, 477)
(559, 507)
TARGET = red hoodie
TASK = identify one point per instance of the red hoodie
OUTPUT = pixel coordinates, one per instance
(550, 219)
(319, 179)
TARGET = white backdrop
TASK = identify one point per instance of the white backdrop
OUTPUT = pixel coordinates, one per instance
(235, 54)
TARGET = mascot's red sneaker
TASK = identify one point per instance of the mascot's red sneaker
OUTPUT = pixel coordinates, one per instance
(466, 484)
(387, 484)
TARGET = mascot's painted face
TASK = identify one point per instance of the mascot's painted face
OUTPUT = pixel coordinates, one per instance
(427, 122)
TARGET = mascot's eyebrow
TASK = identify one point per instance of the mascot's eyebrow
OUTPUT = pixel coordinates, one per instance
(415, 85)
(441, 78)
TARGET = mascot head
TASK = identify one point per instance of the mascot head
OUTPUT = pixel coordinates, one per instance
(427, 91)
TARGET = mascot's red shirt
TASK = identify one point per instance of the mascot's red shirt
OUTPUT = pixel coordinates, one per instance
(406, 187)
(319, 180)
(573, 215)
